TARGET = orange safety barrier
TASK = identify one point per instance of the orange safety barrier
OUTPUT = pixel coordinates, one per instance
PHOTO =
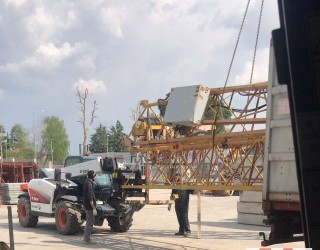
(24, 187)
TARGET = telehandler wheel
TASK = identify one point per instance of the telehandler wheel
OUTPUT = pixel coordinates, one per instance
(67, 219)
(121, 223)
(24, 213)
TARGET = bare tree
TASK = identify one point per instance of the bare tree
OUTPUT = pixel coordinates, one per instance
(83, 97)
(135, 113)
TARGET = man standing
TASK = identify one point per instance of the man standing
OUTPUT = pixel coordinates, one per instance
(89, 203)
(181, 198)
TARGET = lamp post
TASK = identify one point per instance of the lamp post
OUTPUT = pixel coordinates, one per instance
(7, 145)
(34, 134)
(52, 152)
(107, 142)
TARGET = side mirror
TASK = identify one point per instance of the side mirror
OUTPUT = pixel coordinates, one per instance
(107, 165)
(57, 174)
(68, 176)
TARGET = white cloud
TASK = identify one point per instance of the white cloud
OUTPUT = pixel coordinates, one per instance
(94, 86)
(47, 23)
(86, 62)
(260, 72)
(71, 16)
(1, 93)
(40, 25)
(47, 55)
(57, 54)
(112, 20)
(16, 2)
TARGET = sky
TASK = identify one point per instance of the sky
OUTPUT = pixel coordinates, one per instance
(123, 51)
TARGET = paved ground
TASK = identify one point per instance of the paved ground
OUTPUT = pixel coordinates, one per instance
(153, 228)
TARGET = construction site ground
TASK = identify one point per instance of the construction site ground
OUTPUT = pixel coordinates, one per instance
(153, 228)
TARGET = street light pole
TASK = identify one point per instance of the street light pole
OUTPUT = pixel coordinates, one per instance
(34, 138)
(107, 141)
(34, 134)
(52, 152)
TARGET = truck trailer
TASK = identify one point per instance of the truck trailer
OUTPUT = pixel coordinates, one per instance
(280, 195)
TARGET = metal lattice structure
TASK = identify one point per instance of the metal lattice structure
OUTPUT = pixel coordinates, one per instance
(222, 152)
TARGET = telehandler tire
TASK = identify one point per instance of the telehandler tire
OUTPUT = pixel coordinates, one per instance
(24, 213)
(67, 219)
(121, 223)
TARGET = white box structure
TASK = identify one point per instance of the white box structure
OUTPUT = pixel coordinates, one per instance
(186, 105)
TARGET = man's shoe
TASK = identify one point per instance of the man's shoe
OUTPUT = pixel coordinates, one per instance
(89, 242)
(187, 234)
(179, 233)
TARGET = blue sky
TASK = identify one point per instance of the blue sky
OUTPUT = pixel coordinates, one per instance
(124, 51)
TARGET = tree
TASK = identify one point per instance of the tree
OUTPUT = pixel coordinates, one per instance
(2, 138)
(99, 140)
(55, 141)
(115, 138)
(83, 96)
(19, 144)
(222, 113)
(135, 113)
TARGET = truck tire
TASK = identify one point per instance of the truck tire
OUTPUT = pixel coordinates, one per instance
(121, 223)
(24, 213)
(67, 219)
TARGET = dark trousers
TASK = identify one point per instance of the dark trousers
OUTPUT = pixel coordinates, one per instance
(182, 210)
(89, 224)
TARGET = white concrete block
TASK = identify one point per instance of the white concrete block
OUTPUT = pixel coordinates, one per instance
(250, 196)
(251, 219)
(249, 207)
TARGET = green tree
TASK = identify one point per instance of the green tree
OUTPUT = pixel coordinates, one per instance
(2, 139)
(99, 140)
(223, 113)
(55, 141)
(18, 143)
(115, 138)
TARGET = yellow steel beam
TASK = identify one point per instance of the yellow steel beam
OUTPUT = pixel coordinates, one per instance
(235, 121)
(195, 187)
(239, 88)
(219, 138)
(150, 202)
(214, 91)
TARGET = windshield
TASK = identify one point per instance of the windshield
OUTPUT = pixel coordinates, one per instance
(103, 180)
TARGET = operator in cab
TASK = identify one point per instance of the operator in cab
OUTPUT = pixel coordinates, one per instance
(89, 203)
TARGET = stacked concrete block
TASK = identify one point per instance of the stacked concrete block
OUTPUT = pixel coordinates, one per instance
(9, 193)
(249, 208)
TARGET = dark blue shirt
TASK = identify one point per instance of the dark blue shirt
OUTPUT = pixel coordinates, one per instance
(183, 195)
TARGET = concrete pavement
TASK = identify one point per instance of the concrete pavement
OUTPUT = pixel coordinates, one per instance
(153, 228)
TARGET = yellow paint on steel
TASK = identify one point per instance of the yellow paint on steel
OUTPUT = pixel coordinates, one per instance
(195, 187)
(150, 202)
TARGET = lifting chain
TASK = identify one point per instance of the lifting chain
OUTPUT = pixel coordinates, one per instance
(238, 39)
(257, 38)
(230, 66)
